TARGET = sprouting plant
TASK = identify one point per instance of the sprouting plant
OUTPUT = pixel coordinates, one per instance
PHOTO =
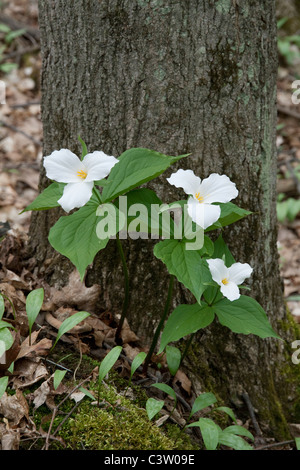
(288, 45)
(8, 36)
(106, 365)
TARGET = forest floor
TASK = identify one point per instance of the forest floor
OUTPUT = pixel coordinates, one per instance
(20, 160)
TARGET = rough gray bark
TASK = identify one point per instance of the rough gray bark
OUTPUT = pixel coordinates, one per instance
(177, 76)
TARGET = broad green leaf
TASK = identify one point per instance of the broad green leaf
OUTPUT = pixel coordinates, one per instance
(108, 362)
(14, 34)
(228, 411)
(69, 323)
(187, 265)
(222, 251)
(297, 441)
(136, 166)
(34, 302)
(230, 213)
(6, 338)
(3, 385)
(153, 407)
(47, 199)
(137, 361)
(240, 431)
(184, 320)
(11, 368)
(235, 442)
(75, 236)
(203, 401)
(5, 324)
(87, 393)
(209, 431)
(173, 359)
(167, 389)
(58, 377)
(2, 306)
(244, 315)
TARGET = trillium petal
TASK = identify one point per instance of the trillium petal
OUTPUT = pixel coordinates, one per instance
(76, 195)
(185, 179)
(203, 215)
(98, 165)
(218, 188)
(62, 166)
(230, 290)
(218, 270)
(238, 272)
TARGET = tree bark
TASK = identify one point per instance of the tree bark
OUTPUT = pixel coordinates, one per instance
(176, 76)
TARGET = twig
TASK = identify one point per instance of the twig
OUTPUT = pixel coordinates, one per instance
(46, 446)
(276, 444)
(288, 112)
(252, 414)
(16, 129)
(24, 105)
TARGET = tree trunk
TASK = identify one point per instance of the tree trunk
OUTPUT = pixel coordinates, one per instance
(176, 76)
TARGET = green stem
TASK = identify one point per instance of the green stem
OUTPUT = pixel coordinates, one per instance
(126, 287)
(187, 347)
(161, 324)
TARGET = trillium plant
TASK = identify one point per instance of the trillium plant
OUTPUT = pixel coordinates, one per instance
(111, 204)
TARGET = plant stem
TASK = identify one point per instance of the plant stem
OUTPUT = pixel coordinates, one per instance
(161, 323)
(126, 287)
(187, 347)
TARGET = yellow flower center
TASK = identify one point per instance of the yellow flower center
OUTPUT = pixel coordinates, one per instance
(225, 281)
(198, 197)
(82, 174)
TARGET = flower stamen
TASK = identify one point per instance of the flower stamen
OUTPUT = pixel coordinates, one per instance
(82, 174)
(225, 281)
(198, 197)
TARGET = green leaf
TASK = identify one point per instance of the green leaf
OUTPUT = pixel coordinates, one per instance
(209, 431)
(47, 199)
(222, 251)
(137, 361)
(84, 147)
(108, 362)
(5, 324)
(75, 236)
(228, 411)
(173, 359)
(34, 302)
(230, 213)
(240, 431)
(69, 323)
(187, 265)
(244, 315)
(297, 441)
(58, 377)
(153, 407)
(6, 339)
(167, 389)
(3, 385)
(14, 34)
(235, 442)
(87, 393)
(184, 320)
(2, 306)
(136, 166)
(203, 401)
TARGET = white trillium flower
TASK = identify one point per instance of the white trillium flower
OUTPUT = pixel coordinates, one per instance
(229, 278)
(64, 166)
(215, 188)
